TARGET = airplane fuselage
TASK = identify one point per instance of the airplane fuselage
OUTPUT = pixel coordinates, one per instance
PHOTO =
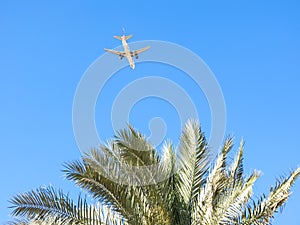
(127, 52)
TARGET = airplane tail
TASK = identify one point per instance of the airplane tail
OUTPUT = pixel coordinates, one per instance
(126, 37)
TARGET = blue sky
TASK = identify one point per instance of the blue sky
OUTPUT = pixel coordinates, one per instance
(253, 48)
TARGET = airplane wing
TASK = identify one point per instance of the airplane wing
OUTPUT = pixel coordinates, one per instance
(122, 54)
(136, 52)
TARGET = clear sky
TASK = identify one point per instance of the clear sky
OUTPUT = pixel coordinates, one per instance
(253, 48)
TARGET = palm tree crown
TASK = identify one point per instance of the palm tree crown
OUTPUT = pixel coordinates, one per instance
(130, 182)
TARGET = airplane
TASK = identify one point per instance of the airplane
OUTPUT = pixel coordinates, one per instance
(127, 53)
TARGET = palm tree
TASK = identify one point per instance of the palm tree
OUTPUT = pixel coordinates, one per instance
(185, 187)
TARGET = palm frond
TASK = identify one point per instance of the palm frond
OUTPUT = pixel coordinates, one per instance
(132, 202)
(215, 182)
(45, 204)
(134, 147)
(194, 160)
(262, 211)
(234, 200)
(100, 187)
(236, 169)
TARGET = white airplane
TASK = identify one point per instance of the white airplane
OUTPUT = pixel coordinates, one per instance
(127, 53)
